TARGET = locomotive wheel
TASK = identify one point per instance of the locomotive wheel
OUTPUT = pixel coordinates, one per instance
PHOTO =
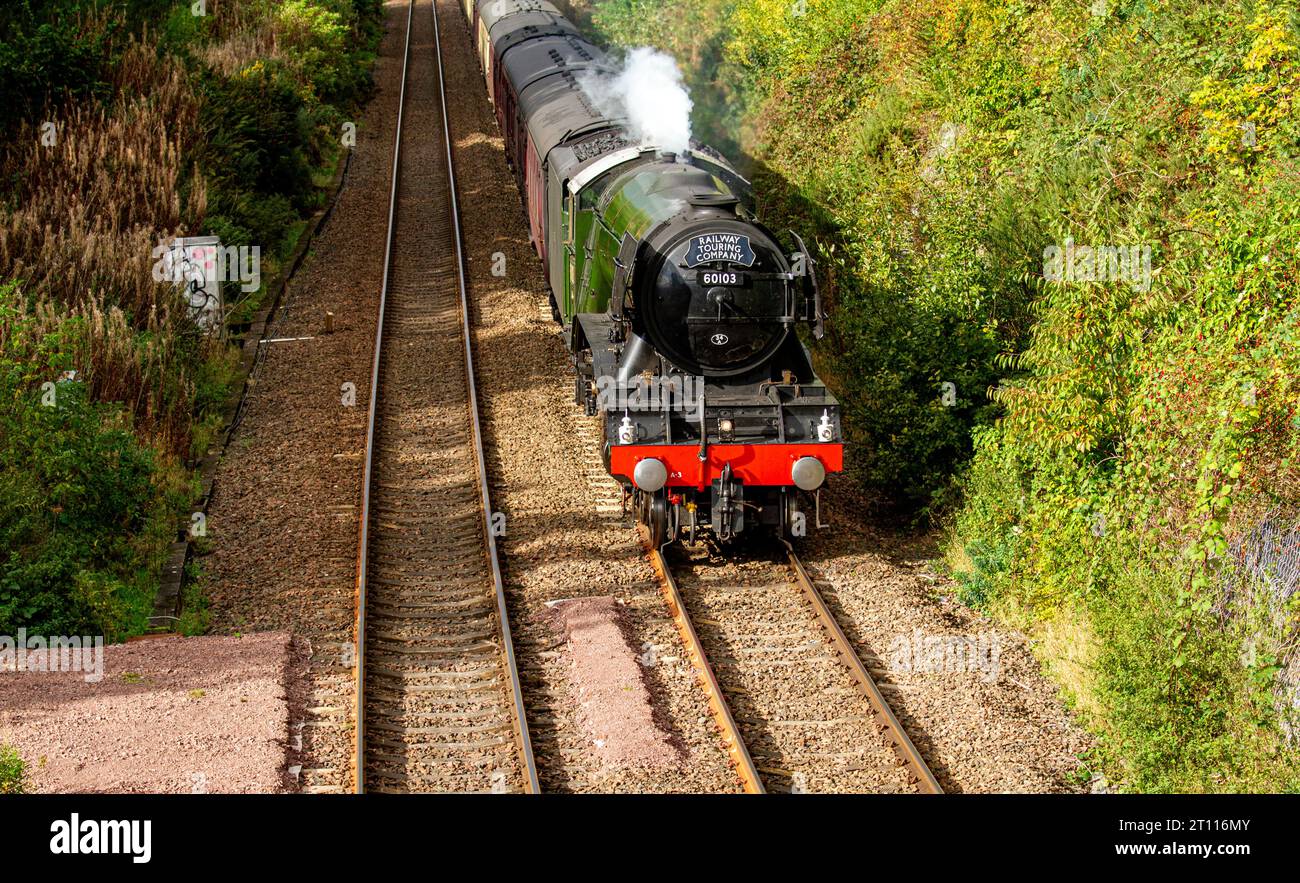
(653, 513)
(789, 513)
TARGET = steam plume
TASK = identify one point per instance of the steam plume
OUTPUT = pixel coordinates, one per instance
(647, 92)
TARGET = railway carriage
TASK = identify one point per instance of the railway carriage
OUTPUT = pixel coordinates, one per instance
(553, 65)
(680, 308)
(503, 24)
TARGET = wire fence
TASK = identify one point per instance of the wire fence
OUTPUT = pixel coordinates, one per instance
(1263, 568)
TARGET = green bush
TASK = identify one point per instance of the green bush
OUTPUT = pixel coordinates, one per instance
(1108, 441)
(1146, 427)
(76, 487)
(13, 771)
(255, 153)
(44, 55)
(1190, 707)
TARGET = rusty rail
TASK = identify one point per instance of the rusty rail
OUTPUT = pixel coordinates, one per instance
(731, 737)
(522, 739)
(364, 535)
(892, 728)
(898, 739)
(520, 724)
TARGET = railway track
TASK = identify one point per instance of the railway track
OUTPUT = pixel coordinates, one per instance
(439, 700)
(439, 703)
(795, 704)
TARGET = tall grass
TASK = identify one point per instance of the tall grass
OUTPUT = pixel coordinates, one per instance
(132, 122)
(88, 211)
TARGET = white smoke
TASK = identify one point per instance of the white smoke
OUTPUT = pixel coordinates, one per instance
(647, 92)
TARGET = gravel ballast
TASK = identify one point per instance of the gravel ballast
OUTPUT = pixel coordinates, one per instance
(970, 693)
(564, 535)
(284, 516)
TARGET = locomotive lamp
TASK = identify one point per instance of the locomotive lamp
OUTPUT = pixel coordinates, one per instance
(626, 431)
(825, 429)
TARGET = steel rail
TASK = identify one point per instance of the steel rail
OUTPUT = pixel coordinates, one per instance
(523, 743)
(363, 544)
(885, 717)
(522, 738)
(897, 737)
(731, 736)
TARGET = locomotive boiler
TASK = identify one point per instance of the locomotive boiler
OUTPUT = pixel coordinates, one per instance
(680, 308)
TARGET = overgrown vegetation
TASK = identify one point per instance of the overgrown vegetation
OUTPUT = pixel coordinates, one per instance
(1107, 434)
(133, 121)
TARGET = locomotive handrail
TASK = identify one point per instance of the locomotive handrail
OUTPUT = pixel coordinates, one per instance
(811, 289)
(623, 266)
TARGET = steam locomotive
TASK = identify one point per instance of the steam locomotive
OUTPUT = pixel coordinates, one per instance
(679, 307)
